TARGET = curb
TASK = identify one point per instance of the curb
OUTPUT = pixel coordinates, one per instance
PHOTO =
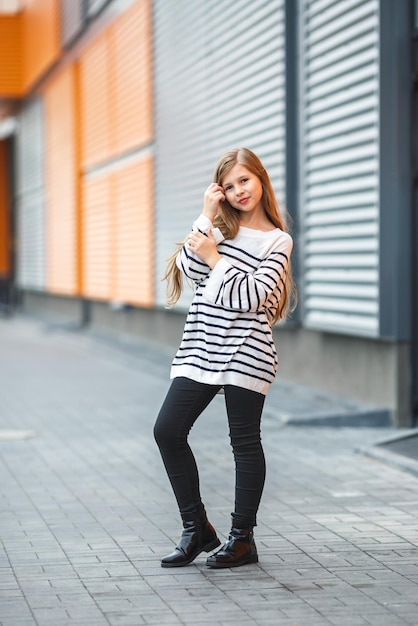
(378, 452)
(373, 418)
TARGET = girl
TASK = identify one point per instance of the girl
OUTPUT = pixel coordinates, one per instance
(237, 256)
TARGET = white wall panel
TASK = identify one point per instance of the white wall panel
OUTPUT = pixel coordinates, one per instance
(340, 164)
(219, 84)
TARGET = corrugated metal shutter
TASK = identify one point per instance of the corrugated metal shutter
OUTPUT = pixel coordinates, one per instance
(95, 105)
(116, 88)
(97, 238)
(130, 79)
(117, 167)
(219, 84)
(30, 197)
(341, 179)
(72, 19)
(61, 181)
(133, 233)
(118, 232)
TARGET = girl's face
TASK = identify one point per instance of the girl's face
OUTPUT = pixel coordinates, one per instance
(243, 189)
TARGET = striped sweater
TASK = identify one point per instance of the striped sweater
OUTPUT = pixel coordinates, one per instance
(227, 338)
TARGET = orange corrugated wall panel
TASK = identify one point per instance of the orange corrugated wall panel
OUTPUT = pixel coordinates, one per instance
(94, 102)
(130, 78)
(116, 88)
(116, 119)
(41, 38)
(133, 201)
(61, 174)
(4, 214)
(97, 238)
(11, 57)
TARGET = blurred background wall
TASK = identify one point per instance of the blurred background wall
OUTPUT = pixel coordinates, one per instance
(113, 115)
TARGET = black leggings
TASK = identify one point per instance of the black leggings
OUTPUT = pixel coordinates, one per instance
(185, 401)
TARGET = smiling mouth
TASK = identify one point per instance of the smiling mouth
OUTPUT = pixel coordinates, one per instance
(243, 200)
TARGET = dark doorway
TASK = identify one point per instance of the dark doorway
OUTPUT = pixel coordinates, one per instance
(7, 229)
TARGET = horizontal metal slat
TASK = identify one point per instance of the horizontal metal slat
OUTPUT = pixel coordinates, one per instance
(341, 98)
(342, 275)
(252, 113)
(344, 201)
(262, 21)
(330, 12)
(343, 81)
(342, 38)
(338, 290)
(350, 19)
(342, 216)
(264, 125)
(313, 7)
(337, 147)
(346, 231)
(344, 127)
(367, 40)
(344, 305)
(353, 169)
(352, 109)
(342, 261)
(352, 324)
(341, 188)
(343, 159)
(255, 97)
(343, 66)
(341, 246)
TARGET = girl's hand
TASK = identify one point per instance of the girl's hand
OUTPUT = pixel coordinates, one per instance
(214, 194)
(204, 247)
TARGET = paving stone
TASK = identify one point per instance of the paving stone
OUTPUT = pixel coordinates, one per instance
(86, 511)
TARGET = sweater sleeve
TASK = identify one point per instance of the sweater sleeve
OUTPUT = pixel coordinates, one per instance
(188, 262)
(235, 289)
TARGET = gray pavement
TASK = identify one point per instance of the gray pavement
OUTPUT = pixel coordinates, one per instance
(86, 510)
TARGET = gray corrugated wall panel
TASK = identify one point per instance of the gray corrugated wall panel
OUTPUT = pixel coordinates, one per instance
(340, 163)
(31, 241)
(30, 197)
(29, 155)
(218, 84)
(71, 19)
(95, 6)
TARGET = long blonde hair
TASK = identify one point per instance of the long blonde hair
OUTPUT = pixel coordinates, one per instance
(228, 222)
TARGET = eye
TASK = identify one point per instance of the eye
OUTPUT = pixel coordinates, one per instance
(228, 188)
(244, 180)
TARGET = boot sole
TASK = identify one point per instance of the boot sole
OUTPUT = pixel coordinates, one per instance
(251, 559)
(207, 548)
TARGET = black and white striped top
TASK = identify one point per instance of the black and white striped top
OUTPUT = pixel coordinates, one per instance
(227, 337)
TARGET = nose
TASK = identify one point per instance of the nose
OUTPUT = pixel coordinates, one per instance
(240, 191)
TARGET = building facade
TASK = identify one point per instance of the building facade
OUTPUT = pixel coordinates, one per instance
(113, 114)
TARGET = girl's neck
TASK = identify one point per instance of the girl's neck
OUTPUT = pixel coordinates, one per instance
(256, 222)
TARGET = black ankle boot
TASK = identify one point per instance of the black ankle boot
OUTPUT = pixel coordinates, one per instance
(240, 550)
(198, 536)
